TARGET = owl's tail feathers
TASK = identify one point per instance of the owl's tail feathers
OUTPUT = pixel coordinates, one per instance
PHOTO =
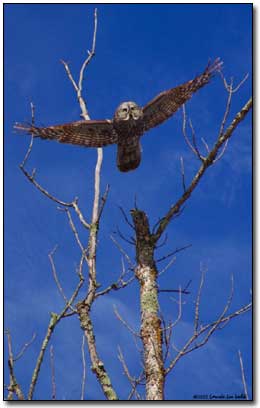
(128, 157)
(128, 166)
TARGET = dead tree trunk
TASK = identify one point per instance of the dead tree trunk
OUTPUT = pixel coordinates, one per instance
(151, 330)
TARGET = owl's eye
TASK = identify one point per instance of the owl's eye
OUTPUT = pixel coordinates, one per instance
(124, 109)
(133, 108)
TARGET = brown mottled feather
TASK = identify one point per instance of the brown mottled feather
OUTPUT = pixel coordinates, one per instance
(92, 133)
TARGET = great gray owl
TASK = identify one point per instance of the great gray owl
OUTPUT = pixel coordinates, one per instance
(129, 123)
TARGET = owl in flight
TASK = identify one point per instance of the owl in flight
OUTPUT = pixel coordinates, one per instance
(129, 123)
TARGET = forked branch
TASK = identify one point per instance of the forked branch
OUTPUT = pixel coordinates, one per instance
(197, 339)
(13, 388)
(78, 86)
(209, 160)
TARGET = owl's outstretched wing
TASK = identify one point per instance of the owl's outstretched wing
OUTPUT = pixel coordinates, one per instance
(168, 102)
(91, 133)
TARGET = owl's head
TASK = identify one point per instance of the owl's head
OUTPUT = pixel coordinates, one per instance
(127, 111)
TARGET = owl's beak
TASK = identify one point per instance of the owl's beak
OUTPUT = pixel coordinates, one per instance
(131, 114)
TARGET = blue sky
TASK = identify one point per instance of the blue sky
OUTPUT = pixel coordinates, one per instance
(141, 50)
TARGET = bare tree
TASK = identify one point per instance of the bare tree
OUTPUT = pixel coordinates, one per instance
(155, 334)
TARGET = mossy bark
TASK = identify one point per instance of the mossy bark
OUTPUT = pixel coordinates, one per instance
(151, 330)
(97, 365)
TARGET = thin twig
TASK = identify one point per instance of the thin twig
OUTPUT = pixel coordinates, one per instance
(119, 284)
(183, 291)
(133, 381)
(53, 267)
(197, 305)
(167, 266)
(182, 174)
(205, 144)
(127, 257)
(27, 153)
(31, 142)
(222, 152)
(224, 81)
(228, 105)
(222, 126)
(184, 132)
(226, 85)
(193, 146)
(78, 87)
(75, 232)
(31, 178)
(231, 91)
(84, 251)
(166, 337)
(115, 286)
(163, 242)
(126, 218)
(125, 323)
(32, 113)
(80, 268)
(241, 83)
(194, 141)
(90, 53)
(173, 253)
(243, 374)
(66, 66)
(172, 325)
(24, 348)
(119, 233)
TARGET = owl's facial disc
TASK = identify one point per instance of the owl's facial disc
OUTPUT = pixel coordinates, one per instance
(128, 110)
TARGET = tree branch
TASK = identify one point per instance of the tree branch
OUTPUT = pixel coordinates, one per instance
(119, 284)
(133, 381)
(193, 145)
(14, 387)
(54, 320)
(173, 253)
(209, 328)
(83, 383)
(127, 257)
(24, 348)
(53, 267)
(209, 160)
(243, 374)
(84, 307)
(125, 323)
